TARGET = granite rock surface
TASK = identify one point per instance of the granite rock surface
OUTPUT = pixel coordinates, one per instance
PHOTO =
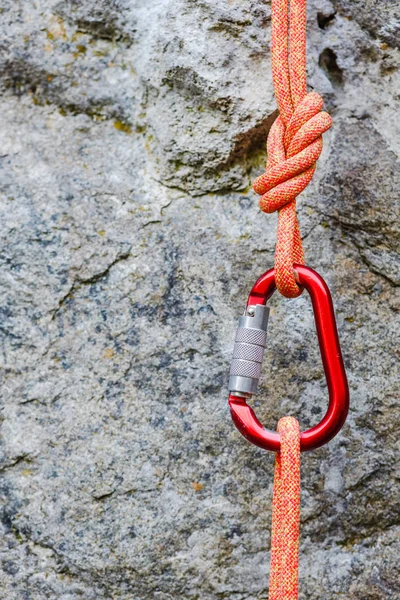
(130, 133)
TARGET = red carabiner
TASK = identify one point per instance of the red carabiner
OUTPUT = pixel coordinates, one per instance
(250, 340)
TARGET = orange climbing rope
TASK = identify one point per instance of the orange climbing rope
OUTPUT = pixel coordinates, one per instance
(295, 139)
(294, 145)
(286, 514)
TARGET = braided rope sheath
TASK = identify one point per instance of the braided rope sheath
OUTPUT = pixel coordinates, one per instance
(295, 140)
(286, 514)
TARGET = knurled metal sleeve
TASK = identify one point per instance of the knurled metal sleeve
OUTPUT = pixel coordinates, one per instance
(251, 336)
(248, 352)
(245, 368)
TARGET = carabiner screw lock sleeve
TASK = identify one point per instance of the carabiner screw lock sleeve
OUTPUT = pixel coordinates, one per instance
(248, 351)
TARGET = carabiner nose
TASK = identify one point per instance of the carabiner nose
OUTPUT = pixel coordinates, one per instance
(249, 347)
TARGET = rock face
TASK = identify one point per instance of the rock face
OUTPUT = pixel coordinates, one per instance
(130, 238)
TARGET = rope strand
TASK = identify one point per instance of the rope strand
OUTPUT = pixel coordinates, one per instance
(295, 140)
(286, 514)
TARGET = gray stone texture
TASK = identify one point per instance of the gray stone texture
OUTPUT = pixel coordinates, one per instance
(130, 237)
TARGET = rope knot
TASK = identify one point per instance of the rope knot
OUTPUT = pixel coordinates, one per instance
(293, 151)
(294, 145)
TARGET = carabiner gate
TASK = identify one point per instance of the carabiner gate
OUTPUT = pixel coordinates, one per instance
(250, 342)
